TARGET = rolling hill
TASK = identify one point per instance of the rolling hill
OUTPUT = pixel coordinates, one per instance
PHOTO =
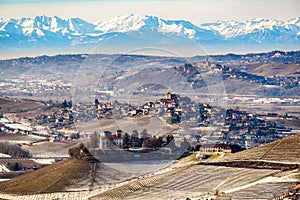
(188, 180)
(286, 150)
(70, 175)
(222, 182)
(274, 69)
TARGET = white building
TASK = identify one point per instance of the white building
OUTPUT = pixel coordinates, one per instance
(108, 142)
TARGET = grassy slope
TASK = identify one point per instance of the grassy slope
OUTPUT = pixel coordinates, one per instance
(11, 105)
(277, 69)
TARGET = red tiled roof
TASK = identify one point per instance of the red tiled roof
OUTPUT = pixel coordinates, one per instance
(113, 137)
(221, 146)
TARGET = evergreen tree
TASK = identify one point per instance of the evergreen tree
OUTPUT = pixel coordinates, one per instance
(144, 134)
(126, 141)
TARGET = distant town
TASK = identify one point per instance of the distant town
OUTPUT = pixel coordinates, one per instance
(44, 119)
(236, 128)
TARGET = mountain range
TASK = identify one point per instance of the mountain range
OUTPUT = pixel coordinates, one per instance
(53, 34)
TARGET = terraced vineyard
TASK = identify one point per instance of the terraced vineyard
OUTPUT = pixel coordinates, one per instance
(50, 196)
(194, 181)
(286, 150)
(48, 179)
(259, 191)
(66, 176)
(186, 178)
(231, 182)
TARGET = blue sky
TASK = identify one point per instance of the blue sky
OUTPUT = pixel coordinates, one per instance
(196, 11)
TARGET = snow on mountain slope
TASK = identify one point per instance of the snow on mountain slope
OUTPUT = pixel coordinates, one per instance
(233, 29)
(44, 30)
(40, 26)
(122, 24)
(133, 22)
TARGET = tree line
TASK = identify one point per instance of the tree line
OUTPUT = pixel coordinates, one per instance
(139, 140)
(13, 150)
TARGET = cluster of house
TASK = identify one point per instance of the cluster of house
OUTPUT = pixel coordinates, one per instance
(286, 82)
(99, 110)
(19, 128)
(172, 107)
(240, 127)
(250, 130)
(205, 111)
(60, 118)
(14, 128)
(44, 133)
(141, 110)
(168, 107)
(262, 100)
(193, 74)
(34, 87)
(175, 109)
(103, 110)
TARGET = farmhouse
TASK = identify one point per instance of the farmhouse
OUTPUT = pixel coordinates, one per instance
(108, 142)
(215, 148)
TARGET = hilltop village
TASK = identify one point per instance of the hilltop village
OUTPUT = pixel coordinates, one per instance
(31, 125)
(237, 127)
(233, 127)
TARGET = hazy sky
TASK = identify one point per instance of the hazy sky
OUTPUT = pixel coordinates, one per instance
(196, 11)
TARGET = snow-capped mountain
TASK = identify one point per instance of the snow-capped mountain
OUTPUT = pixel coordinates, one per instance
(43, 25)
(130, 23)
(44, 32)
(258, 29)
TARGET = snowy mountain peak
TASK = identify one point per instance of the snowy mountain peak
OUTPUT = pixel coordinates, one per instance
(232, 29)
(133, 22)
(45, 24)
(122, 24)
(295, 21)
(44, 30)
